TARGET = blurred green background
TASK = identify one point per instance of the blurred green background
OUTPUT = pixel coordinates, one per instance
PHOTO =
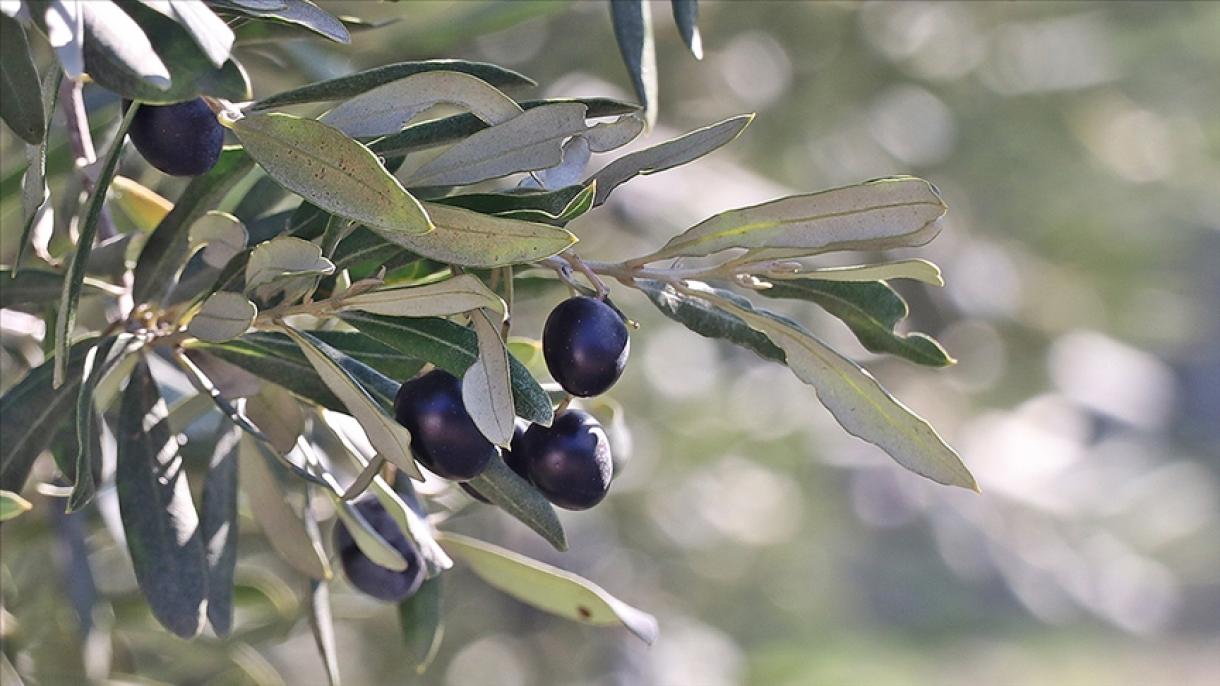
(1078, 147)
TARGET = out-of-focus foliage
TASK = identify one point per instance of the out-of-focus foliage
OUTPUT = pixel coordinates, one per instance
(1078, 147)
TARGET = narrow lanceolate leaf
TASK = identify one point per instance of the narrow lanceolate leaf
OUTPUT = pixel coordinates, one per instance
(284, 265)
(34, 289)
(430, 134)
(221, 235)
(117, 50)
(100, 360)
(875, 215)
(379, 551)
(422, 625)
(162, 528)
(686, 16)
(870, 309)
(705, 319)
(143, 206)
(12, 505)
(220, 522)
(859, 403)
(667, 155)
(331, 171)
(391, 439)
(18, 81)
(168, 247)
(452, 348)
(526, 142)
(66, 33)
(75, 276)
(31, 413)
(461, 293)
(487, 390)
(210, 32)
(223, 316)
(386, 109)
(278, 416)
(281, 525)
(915, 269)
(353, 85)
(516, 496)
(299, 12)
(633, 31)
(548, 588)
(35, 196)
(612, 135)
(275, 358)
(471, 239)
(198, 377)
(323, 628)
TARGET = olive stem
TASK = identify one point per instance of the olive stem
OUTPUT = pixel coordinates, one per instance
(80, 139)
(579, 265)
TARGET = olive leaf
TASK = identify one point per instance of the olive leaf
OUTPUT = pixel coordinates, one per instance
(159, 518)
(35, 195)
(222, 316)
(285, 268)
(859, 403)
(706, 319)
(390, 438)
(527, 142)
(471, 239)
(221, 235)
(32, 290)
(875, 215)
(611, 135)
(915, 269)
(548, 588)
(18, 79)
(379, 551)
(210, 32)
(144, 207)
(103, 359)
(518, 497)
(686, 16)
(419, 616)
(323, 627)
(12, 505)
(219, 522)
(299, 12)
(486, 386)
(281, 525)
(278, 416)
(870, 309)
(332, 171)
(633, 30)
(672, 153)
(386, 109)
(461, 293)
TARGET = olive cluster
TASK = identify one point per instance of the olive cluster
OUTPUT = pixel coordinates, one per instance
(585, 345)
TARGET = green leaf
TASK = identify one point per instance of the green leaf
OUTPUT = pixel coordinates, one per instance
(672, 153)
(486, 386)
(65, 29)
(516, 496)
(352, 85)
(918, 270)
(146, 56)
(686, 16)
(386, 109)
(859, 403)
(163, 534)
(612, 135)
(220, 527)
(870, 309)
(12, 505)
(331, 171)
(75, 276)
(707, 320)
(277, 359)
(210, 32)
(633, 30)
(169, 246)
(281, 525)
(874, 215)
(546, 203)
(422, 625)
(278, 416)
(379, 551)
(471, 239)
(284, 265)
(461, 293)
(221, 235)
(441, 131)
(323, 628)
(452, 348)
(35, 195)
(18, 81)
(102, 360)
(300, 12)
(548, 588)
(529, 141)
(254, 33)
(223, 316)
(391, 439)
(33, 289)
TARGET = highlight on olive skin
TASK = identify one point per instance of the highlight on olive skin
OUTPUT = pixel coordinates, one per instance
(183, 139)
(585, 345)
(369, 577)
(569, 462)
(444, 438)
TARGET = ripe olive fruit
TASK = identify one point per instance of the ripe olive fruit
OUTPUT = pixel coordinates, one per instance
(569, 462)
(585, 345)
(512, 456)
(443, 436)
(183, 139)
(369, 577)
